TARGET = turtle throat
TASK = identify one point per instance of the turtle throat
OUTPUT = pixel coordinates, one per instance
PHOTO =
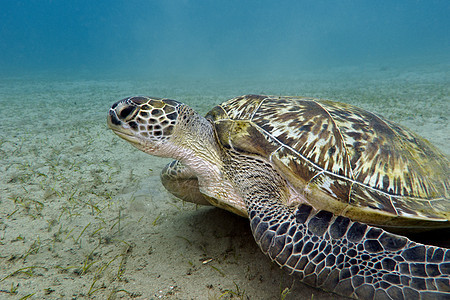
(193, 143)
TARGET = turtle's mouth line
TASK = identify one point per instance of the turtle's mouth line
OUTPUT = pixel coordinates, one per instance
(126, 136)
(116, 126)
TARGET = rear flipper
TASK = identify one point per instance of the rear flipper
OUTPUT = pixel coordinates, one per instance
(346, 257)
(182, 183)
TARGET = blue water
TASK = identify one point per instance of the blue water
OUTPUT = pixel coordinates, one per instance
(218, 38)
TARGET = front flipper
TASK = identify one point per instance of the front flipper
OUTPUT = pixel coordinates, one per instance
(332, 252)
(182, 183)
(346, 257)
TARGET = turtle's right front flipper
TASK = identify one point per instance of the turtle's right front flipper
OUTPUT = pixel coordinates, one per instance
(182, 182)
(348, 258)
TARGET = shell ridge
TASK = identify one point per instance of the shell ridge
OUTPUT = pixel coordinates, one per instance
(314, 177)
(225, 111)
(393, 205)
(257, 108)
(352, 177)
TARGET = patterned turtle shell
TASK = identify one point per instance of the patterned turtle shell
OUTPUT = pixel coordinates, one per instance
(341, 158)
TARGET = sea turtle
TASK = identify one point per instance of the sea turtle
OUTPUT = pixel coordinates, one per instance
(318, 180)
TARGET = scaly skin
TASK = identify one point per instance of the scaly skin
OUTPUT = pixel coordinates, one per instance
(332, 252)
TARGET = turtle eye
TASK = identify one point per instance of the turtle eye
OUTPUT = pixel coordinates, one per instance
(126, 111)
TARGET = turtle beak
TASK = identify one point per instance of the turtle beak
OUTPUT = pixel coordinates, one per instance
(118, 119)
(112, 119)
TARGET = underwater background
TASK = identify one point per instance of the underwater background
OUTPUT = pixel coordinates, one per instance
(218, 38)
(84, 215)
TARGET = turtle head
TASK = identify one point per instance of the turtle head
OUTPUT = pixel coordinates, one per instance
(160, 127)
(147, 123)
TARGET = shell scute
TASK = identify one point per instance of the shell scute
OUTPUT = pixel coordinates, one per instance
(242, 108)
(361, 196)
(331, 150)
(309, 130)
(302, 170)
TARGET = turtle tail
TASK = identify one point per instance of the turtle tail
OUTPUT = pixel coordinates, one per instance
(345, 257)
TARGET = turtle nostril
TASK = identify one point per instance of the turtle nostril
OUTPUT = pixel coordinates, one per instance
(126, 111)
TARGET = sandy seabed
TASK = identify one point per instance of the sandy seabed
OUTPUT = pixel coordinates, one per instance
(84, 215)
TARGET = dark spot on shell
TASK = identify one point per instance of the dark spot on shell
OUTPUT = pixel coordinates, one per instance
(277, 246)
(306, 127)
(302, 263)
(345, 274)
(442, 284)
(354, 269)
(385, 182)
(266, 240)
(357, 136)
(332, 150)
(298, 235)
